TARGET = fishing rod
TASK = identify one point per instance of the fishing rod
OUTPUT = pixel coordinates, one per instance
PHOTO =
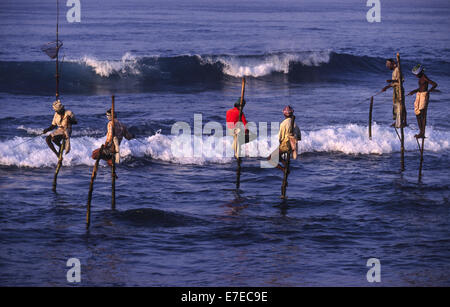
(238, 149)
(373, 96)
(29, 140)
(156, 133)
(57, 49)
(141, 142)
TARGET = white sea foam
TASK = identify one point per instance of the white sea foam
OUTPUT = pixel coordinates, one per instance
(76, 132)
(350, 139)
(353, 139)
(233, 65)
(265, 65)
(128, 64)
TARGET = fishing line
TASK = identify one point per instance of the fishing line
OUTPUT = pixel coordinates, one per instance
(372, 96)
(29, 140)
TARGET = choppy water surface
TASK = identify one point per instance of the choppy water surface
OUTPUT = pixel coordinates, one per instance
(179, 221)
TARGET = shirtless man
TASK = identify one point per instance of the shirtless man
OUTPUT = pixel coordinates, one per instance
(422, 97)
(63, 119)
(111, 147)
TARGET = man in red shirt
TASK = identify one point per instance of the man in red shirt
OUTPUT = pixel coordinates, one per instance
(233, 114)
(233, 117)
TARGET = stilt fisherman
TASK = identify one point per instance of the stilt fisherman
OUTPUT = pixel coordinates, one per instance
(111, 147)
(63, 119)
(232, 119)
(422, 98)
(399, 109)
(288, 137)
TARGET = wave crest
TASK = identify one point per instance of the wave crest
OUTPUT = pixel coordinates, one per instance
(351, 139)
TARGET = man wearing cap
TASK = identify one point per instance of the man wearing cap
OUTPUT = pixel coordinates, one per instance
(112, 143)
(63, 119)
(399, 109)
(422, 97)
(287, 137)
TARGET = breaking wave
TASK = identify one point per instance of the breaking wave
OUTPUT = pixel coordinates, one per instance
(350, 139)
(127, 65)
(141, 74)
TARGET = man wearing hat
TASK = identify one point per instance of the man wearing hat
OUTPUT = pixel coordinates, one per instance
(112, 143)
(287, 137)
(399, 109)
(422, 97)
(63, 119)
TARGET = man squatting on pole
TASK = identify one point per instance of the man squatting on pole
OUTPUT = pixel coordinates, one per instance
(120, 131)
(63, 119)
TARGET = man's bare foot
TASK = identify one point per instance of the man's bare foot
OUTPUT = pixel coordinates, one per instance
(280, 168)
(419, 136)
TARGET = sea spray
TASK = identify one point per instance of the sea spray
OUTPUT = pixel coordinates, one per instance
(350, 139)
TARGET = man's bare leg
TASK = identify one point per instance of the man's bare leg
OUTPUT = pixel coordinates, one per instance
(283, 162)
(48, 139)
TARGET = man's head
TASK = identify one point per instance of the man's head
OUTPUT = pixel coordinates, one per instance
(237, 104)
(390, 64)
(58, 106)
(288, 111)
(109, 115)
(418, 70)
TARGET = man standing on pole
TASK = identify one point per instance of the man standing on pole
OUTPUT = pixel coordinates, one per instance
(399, 109)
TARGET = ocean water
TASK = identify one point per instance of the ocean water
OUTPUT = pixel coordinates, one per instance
(179, 220)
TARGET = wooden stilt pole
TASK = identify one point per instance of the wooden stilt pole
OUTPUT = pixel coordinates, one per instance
(286, 174)
(402, 121)
(91, 188)
(287, 168)
(370, 117)
(57, 50)
(58, 166)
(421, 158)
(113, 166)
(239, 160)
(402, 148)
(238, 173)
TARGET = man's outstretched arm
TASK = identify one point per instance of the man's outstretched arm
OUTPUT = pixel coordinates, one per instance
(48, 129)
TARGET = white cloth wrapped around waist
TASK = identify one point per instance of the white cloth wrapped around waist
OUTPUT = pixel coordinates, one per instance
(421, 102)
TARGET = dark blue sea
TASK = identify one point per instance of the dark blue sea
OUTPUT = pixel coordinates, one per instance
(179, 221)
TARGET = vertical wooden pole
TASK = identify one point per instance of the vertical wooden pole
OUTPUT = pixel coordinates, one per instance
(238, 173)
(402, 103)
(370, 117)
(421, 158)
(288, 164)
(423, 145)
(58, 166)
(57, 49)
(402, 148)
(113, 166)
(239, 160)
(91, 188)
(286, 174)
